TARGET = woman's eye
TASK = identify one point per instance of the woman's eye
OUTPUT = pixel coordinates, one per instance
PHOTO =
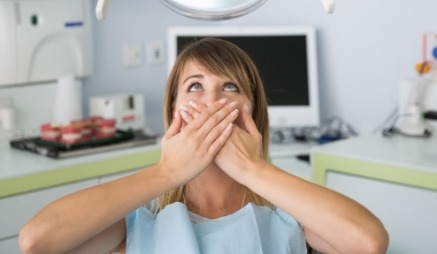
(230, 87)
(195, 87)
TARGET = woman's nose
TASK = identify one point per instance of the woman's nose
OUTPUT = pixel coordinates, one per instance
(212, 97)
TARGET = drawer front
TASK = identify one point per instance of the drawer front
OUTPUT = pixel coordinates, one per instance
(15, 211)
(408, 213)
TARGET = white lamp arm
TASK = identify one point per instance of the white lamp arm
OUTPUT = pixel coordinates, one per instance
(101, 9)
(329, 5)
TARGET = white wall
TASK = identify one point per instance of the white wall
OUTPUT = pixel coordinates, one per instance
(133, 21)
(365, 48)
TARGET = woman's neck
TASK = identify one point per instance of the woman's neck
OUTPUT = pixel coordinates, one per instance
(214, 194)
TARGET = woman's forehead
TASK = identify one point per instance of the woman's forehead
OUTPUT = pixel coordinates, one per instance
(196, 68)
(192, 65)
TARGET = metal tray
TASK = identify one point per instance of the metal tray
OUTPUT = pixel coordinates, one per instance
(122, 139)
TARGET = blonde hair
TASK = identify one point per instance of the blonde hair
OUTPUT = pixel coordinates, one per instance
(223, 59)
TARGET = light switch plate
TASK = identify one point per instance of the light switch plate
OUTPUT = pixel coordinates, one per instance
(155, 52)
(132, 55)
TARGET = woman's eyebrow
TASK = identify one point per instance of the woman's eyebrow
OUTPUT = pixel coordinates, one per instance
(193, 76)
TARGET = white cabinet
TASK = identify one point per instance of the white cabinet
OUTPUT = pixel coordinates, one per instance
(395, 178)
(284, 156)
(408, 212)
(294, 166)
(15, 211)
(10, 246)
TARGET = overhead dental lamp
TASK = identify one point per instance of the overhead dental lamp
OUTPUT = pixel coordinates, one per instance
(213, 10)
(209, 9)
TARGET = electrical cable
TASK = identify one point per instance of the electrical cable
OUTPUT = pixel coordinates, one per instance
(393, 115)
(330, 129)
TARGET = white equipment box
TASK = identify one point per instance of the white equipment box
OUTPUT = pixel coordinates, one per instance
(127, 110)
(427, 98)
(42, 40)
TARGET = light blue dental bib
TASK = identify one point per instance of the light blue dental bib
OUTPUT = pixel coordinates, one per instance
(251, 230)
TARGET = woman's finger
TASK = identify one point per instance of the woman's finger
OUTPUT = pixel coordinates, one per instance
(249, 124)
(216, 137)
(221, 140)
(196, 108)
(175, 126)
(212, 115)
(192, 110)
(185, 113)
(215, 120)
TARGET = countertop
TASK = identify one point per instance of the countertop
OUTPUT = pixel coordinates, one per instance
(22, 171)
(419, 153)
(398, 159)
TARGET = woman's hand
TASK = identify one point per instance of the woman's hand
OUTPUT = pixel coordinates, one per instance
(243, 148)
(320, 210)
(187, 151)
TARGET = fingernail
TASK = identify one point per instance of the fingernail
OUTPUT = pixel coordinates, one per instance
(184, 115)
(183, 108)
(234, 112)
(193, 104)
(233, 104)
(229, 127)
(222, 101)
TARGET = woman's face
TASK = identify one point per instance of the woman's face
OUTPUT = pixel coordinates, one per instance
(197, 84)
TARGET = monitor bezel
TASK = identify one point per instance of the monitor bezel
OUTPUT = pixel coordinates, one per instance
(279, 116)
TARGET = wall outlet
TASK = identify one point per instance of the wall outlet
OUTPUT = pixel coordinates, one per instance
(132, 55)
(155, 52)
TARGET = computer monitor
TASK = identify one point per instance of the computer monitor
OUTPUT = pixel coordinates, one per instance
(286, 58)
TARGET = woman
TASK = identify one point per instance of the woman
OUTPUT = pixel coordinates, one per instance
(213, 190)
